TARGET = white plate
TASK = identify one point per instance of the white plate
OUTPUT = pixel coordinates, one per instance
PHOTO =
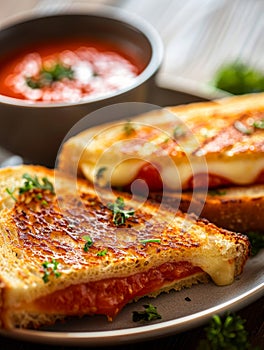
(177, 313)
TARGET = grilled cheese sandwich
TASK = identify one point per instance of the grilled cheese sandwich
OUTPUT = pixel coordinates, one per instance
(70, 249)
(237, 208)
(198, 145)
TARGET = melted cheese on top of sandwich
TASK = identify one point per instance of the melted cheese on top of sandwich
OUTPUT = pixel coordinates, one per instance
(197, 145)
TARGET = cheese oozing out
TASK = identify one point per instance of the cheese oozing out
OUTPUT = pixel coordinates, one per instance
(175, 177)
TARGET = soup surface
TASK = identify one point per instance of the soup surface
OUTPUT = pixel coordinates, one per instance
(68, 71)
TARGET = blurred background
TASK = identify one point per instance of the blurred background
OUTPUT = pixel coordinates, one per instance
(212, 49)
(200, 37)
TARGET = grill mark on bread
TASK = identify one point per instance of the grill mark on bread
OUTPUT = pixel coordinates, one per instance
(231, 139)
(44, 230)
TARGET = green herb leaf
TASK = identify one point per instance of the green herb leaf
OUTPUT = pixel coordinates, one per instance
(257, 242)
(226, 332)
(120, 215)
(149, 314)
(100, 173)
(33, 182)
(33, 83)
(88, 243)
(259, 124)
(102, 252)
(129, 128)
(217, 192)
(11, 193)
(179, 132)
(50, 268)
(48, 76)
(145, 241)
(238, 78)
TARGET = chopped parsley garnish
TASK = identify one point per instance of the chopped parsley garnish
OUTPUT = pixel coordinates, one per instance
(102, 252)
(238, 78)
(100, 173)
(257, 242)
(259, 124)
(129, 128)
(120, 215)
(11, 193)
(33, 182)
(178, 132)
(145, 241)
(217, 192)
(226, 332)
(47, 76)
(50, 269)
(149, 314)
(88, 244)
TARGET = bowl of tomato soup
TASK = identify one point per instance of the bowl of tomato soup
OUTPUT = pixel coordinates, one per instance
(57, 68)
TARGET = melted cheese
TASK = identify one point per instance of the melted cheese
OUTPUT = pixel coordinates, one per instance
(237, 171)
(181, 142)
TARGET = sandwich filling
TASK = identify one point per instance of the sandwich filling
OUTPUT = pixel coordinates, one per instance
(172, 151)
(84, 254)
(109, 296)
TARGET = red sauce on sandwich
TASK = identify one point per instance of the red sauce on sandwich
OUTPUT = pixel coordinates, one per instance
(109, 296)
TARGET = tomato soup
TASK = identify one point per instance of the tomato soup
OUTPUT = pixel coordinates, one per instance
(68, 71)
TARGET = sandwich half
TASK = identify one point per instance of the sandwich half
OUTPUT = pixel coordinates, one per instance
(236, 208)
(199, 145)
(70, 249)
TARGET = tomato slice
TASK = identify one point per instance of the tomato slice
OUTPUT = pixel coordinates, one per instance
(260, 178)
(150, 175)
(204, 180)
(109, 296)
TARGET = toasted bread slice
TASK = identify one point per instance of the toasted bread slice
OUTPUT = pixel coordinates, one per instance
(68, 249)
(238, 209)
(198, 145)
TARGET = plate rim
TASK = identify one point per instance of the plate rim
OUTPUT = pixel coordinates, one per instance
(138, 333)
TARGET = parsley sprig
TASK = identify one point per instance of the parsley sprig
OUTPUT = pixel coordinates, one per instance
(100, 173)
(152, 240)
(47, 76)
(102, 252)
(50, 269)
(31, 183)
(11, 193)
(179, 132)
(120, 215)
(129, 129)
(217, 192)
(88, 244)
(259, 124)
(226, 332)
(239, 78)
(34, 182)
(149, 314)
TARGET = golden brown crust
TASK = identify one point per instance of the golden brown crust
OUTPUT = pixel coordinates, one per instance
(42, 227)
(221, 131)
(238, 209)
